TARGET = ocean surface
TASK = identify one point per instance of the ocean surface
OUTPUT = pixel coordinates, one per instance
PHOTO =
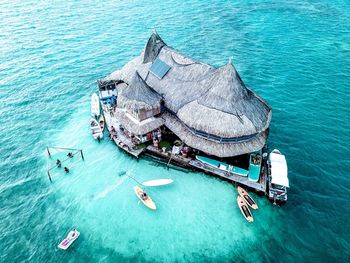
(295, 54)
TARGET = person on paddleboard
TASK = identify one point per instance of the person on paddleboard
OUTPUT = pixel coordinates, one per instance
(143, 196)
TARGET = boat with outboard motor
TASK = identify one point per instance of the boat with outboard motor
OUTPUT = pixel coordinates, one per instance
(278, 177)
(95, 129)
(68, 241)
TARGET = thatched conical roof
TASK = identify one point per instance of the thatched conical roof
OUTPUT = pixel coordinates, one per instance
(138, 95)
(228, 109)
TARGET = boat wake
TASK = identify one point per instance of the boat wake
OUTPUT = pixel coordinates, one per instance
(110, 188)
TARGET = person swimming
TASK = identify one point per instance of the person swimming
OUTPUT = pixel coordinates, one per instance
(66, 169)
(58, 163)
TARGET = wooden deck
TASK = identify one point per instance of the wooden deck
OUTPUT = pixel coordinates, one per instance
(200, 166)
(124, 142)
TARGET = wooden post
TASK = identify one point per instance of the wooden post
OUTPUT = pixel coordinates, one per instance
(48, 151)
(82, 155)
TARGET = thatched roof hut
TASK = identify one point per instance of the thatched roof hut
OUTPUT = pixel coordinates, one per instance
(138, 95)
(209, 108)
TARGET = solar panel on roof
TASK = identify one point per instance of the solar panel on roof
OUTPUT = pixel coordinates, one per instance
(159, 68)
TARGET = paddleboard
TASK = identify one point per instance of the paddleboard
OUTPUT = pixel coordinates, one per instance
(157, 182)
(71, 237)
(244, 209)
(246, 197)
(146, 201)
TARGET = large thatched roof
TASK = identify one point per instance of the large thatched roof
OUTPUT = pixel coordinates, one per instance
(138, 95)
(212, 101)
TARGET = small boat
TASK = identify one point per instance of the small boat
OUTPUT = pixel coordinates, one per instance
(246, 197)
(71, 237)
(223, 166)
(95, 105)
(278, 177)
(157, 182)
(254, 167)
(244, 209)
(96, 129)
(101, 121)
(145, 198)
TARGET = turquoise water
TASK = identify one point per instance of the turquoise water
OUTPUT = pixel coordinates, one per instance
(295, 55)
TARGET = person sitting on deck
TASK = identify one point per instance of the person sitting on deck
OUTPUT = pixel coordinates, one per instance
(66, 169)
(58, 163)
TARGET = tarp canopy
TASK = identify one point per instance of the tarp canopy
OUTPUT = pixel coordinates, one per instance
(279, 169)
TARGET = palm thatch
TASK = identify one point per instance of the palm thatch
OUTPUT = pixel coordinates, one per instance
(221, 150)
(138, 127)
(213, 101)
(138, 95)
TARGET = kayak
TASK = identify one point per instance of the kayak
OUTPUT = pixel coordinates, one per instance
(246, 197)
(71, 237)
(157, 182)
(244, 209)
(145, 199)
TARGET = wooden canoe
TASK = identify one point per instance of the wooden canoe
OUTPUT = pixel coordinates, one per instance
(244, 209)
(148, 201)
(246, 197)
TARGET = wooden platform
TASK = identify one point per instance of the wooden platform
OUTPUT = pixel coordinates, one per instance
(124, 142)
(189, 163)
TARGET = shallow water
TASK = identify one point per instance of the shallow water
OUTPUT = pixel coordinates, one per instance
(295, 55)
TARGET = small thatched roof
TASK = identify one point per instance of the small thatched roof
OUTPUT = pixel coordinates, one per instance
(138, 127)
(211, 147)
(138, 95)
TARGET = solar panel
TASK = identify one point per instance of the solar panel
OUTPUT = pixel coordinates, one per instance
(159, 68)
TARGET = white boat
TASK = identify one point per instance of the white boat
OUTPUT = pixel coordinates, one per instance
(71, 237)
(157, 182)
(95, 129)
(95, 105)
(278, 177)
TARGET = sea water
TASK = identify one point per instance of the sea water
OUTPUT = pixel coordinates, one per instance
(296, 55)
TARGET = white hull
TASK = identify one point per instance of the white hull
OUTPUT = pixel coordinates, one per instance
(157, 182)
(96, 129)
(95, 105)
